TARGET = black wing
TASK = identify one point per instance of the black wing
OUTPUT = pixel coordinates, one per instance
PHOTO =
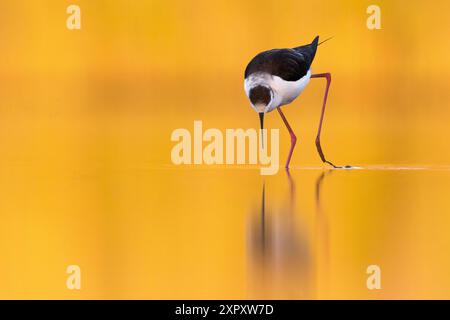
(288, 64)
(309, 51)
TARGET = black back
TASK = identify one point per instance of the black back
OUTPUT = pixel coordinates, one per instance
(288, 64)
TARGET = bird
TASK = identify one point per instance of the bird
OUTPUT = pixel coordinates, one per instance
(276, 77)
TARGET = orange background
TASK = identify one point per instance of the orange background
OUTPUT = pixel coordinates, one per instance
(85, 123)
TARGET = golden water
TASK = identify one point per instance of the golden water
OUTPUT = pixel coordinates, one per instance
(86, 176)
(202, 233)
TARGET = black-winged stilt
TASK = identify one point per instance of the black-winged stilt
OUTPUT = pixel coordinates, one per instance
(276, 77)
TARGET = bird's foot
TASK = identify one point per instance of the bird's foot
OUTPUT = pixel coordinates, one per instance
(338, 167)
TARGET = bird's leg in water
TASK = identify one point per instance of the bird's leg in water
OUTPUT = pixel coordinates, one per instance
(319, 147)
(292, 134)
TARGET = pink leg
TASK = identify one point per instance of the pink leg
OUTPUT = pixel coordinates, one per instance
(319, 148)
(293, 137)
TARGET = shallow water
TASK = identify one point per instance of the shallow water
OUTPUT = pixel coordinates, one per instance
(227, 233)
(86, 176)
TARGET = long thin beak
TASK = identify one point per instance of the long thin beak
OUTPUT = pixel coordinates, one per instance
(261, 122)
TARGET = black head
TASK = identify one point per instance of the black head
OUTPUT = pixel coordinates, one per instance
(260, 97)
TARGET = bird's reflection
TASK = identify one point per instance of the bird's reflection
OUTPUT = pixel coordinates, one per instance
(322, 236)
(282, 254)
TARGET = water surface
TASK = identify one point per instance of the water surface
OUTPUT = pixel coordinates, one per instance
(147, 232)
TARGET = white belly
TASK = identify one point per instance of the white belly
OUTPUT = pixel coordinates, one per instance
(287, 91)
(284, 92)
